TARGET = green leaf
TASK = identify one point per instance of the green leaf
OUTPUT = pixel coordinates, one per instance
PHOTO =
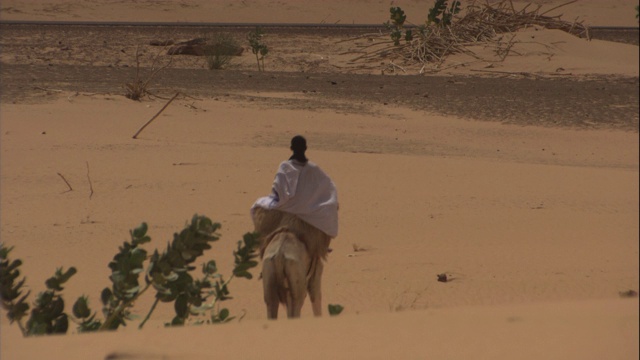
(37, 328)
(408, 35)
(223, 314)
(64, 277)
(18, 311)
(81, 307)
(243, 274)
(335, 309)
(106, 296)
(57, 308)
(53, 284)
(139, 232)
(61, 325)
(4, 251)
(209, 268)
(14, 265)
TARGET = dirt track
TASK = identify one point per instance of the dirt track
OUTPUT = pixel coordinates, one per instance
(45, 62)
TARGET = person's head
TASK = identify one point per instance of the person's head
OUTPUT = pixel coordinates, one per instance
(298, 146)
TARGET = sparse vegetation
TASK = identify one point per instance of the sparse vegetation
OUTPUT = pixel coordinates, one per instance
(219, 50)
(139, 87)
(258, 48)
(441, 14)
(169, 273)
(395, 25)
(444, 33)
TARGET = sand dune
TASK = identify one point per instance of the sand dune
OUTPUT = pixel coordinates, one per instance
(536, 227)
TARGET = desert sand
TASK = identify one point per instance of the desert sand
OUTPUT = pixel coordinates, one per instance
(536, 227)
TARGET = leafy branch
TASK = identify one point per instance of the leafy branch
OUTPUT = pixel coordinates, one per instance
(395, 25)
(442, 15)
(258, 48)
(214, 286)
(11, 291)
(47, 315)
(168, 273)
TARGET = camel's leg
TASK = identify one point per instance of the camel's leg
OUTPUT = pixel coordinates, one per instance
(270, 286)
(296, 276)
(315, 294)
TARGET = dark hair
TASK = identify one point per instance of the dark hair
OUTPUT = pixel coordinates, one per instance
(298, 146)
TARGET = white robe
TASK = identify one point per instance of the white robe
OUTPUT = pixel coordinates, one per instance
(306, 191)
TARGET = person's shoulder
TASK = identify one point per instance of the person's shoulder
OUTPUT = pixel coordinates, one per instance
(289, 166)
(315, 168)
(285, 164)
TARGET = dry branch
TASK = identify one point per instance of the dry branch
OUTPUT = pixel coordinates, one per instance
(137, 89)
(481, 24)
(155, 116)
(90, 185)
(66, 182)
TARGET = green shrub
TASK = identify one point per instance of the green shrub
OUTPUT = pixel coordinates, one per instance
(259, 49)
(442, 15)
(439, 15)
(169, 273)
(220, 50)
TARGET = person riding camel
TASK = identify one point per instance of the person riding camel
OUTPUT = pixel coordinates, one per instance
(303, 189)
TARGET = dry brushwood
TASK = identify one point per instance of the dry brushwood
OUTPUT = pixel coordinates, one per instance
(481, 24)
(139, 87)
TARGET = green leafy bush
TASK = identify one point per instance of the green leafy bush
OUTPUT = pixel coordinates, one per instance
(440, 15)
(259, 49)
(219, 50)
(395, 25)
(168, 273)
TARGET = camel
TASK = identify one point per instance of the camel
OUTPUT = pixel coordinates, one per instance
(292, 253)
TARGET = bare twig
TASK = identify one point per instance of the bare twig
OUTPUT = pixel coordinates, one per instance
(557, 7)
(521, 73)
(66, 182)
(139, 88)
(90, 185)
(397, 66)
(155, 116)
(190, 97)
(47, 90)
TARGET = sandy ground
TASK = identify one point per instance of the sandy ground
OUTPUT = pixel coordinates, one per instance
(593, 12)
(536, 227)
